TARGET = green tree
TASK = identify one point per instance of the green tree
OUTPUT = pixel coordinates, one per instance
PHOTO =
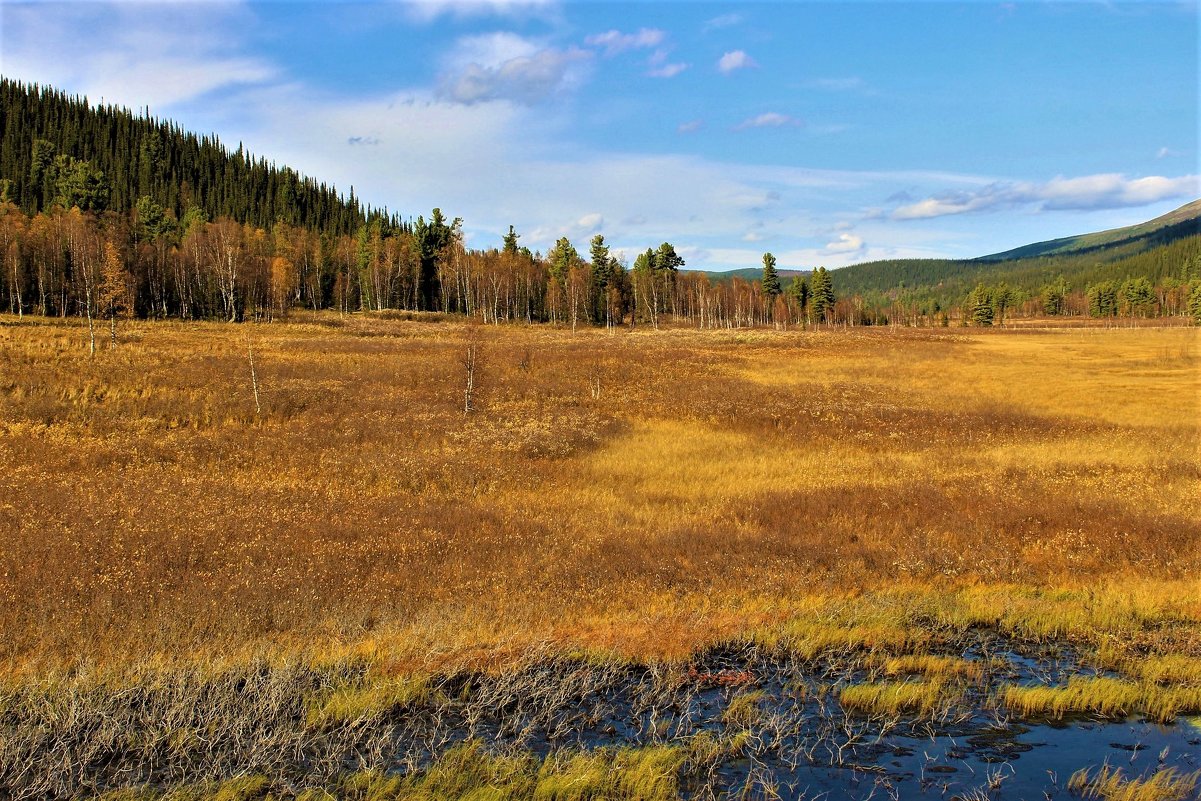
(771, 280)
(1054, 295)
(981, 308)
(1194, 303)
(602, 276)
(561, 258)
(1102, 299)
(79, 184)
(1139, 296)
(434, 240)
(799, 289)
(822, 288)
(510, 241)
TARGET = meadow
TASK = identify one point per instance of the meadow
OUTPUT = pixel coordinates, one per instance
(634, 495)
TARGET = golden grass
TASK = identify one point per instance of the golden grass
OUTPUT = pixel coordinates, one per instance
(1106, 697)
(896, 697)
(1109, 784)
(632, 493)
(469, 772)
(347, 705)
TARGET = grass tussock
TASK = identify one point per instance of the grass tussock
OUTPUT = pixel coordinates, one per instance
(349, 704)
(934, 666)
(893, 698)
(1104, 697)
(1109, 784)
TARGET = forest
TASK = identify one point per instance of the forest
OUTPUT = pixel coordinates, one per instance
(105, 215)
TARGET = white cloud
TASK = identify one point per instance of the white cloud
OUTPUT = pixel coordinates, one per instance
(770, 119)
(721, 21)
(692, 126)
(667, 70)
(846, 243)
(1103, 191)
(1167, 152)
(153, 55)
(614, 41)
(504, 66)
(430, 10)
(734, 60)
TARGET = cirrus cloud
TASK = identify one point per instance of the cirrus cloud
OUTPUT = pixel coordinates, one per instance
(770, 119)
(614, 41)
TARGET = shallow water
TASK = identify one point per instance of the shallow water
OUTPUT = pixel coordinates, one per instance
(796, 741)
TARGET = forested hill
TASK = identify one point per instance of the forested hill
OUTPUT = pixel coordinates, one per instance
(58, 149)
(1166, 248)
(1177, 224)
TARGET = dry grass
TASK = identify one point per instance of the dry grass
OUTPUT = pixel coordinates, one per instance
(642, 493)
(1109, 784)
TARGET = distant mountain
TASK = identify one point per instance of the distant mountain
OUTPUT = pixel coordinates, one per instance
(1168, 246)
(747, 274)
(1184, 221)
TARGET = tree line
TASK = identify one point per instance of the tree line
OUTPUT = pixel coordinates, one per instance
(147, 263)
(106, 214)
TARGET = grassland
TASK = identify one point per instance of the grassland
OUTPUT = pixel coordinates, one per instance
(630, 495)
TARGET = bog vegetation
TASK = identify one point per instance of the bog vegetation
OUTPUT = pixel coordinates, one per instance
(386, 484)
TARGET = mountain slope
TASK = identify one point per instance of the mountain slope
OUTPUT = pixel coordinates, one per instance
(1168, 246)
(1182, 222)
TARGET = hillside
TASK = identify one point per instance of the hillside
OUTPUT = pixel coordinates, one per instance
(1168, 247)
(1182, 222)
(58, 148)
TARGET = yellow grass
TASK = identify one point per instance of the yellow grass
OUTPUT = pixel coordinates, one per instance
(638, 494)
(896, 697)
(1104, 696)
(1109, 784)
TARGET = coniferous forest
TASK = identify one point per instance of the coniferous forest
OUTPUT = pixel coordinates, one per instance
(105, 213)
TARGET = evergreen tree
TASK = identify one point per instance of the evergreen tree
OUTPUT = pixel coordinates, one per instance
(1102, 299)
(1054, 296)
(771, 281)
(561, 259)
(799, 289)
(1139, 296)
(822, 300)
(602, 276)
(981, 308)
(1194, 303)
(510, 242)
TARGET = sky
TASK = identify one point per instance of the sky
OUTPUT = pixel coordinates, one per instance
(827, 133)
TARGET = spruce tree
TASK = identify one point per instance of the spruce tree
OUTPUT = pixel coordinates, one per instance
(771, 281)
(980, 306)
(822, 300)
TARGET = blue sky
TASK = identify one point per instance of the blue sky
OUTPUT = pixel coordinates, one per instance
(828, 133)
